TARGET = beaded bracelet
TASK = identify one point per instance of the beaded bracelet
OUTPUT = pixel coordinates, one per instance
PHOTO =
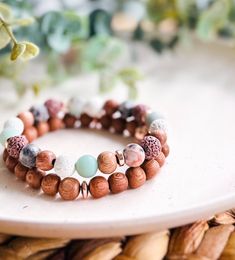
(144, 157)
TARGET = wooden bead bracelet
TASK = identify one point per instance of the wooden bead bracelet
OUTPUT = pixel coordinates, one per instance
(144, 157)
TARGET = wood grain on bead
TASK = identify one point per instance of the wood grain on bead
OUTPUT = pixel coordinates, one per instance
(136, 177)
(166, 149)
(55, 123)
(11, 163)
(31, 133)
(45, 160)
(34, 177)
(27, 118)
(118, 182)
(98, 187)
(161, 136)
(69, 121)
(21, 171)
(119, 125)
(69, 188)
(107, 162)
(151, 168)
(50, 184)
(42, 128)
(161, 159)
(5, 155)
(85, 120)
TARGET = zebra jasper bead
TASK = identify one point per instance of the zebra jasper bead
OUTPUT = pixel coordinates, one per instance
(134, 155)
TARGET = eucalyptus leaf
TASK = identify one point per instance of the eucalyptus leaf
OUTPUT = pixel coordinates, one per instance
(31, 51)
(51, 21)
(4, 37)
(17, 50)
(5, 12)
(58, 42)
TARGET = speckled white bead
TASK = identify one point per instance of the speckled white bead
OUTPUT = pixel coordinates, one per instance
(158, 124)
(93, 107)
(16, 124)
(64, 166)
(75, 106)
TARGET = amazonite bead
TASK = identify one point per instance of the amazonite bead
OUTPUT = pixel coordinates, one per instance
(15, 123)
(6, 134)
(152, 116)
(86, 166)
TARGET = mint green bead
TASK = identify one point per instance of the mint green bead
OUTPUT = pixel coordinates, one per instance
(86, 166)
(151, 116)
(6, 134)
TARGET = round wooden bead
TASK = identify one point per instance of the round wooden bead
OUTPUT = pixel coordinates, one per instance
(64, 166)
(85, 120)
(15, 145)
(106, 121)
(69, 188)
(107, 162)
(28, 155)
(161, 159)
(50, 184)
(34, 177)
(118, 182)
(141, 132)
(139, 112)
(166, 149)
(119, 125)
(31, 133)
(55, 123)
(151, 146)
(21, 171)
(161, 136)
(110, 107)
(98, 187)
(45, 160)
(15, 123)
(69, 121)
(134, 155)
(151, 168)
(40, 113)
(11, 163)
(54, 107)
(136, 177)
(5, 155)
(86, 166)
(27, 118)
(42, 128)
(131, 127)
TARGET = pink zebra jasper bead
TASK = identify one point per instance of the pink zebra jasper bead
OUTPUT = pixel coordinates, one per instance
(53, 106)
(134, 155)
(15, 145)
(151, 146)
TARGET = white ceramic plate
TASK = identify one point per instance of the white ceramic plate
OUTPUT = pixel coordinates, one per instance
(197, 181)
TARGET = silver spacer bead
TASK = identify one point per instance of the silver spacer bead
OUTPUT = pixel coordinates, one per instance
(84, 190)
(120, 157)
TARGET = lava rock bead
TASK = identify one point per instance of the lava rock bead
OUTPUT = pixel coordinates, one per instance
(86, 166)
(14, 123)
(54, 107)
(40, 113)
(134, 155)
(28, 155)
(64, 166)
(15, 144)
(151, 146)
(125, 109)
(158, 124)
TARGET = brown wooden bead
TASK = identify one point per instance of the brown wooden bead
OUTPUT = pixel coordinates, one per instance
(131, 127)
(107, 162)
(55, 123)
(45, 160)
(50, 184)
(166, 149)
(136, 177)
(118, 182)
(42, 128)
(106, 121)
(141, 132)
(161, 159)
(119, 125)
(85, 120)
(34, 178)
(69, 188)
(5, 155)
(161, 136)
(69, 121)
(99, 187)
(21, 171)
(31, 133)
(11, 163)
(151, 168)
(110, 107)
(27, 118)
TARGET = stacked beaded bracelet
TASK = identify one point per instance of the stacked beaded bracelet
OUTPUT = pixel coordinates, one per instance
(144, 157)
